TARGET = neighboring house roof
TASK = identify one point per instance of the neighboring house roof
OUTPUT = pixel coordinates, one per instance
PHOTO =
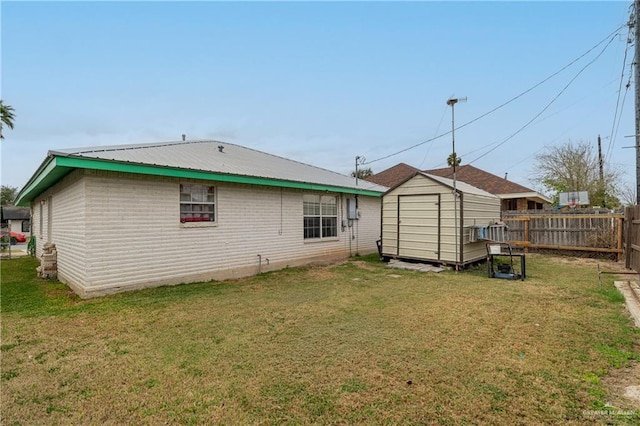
(208, 160)
(15, 213)
(393, 175)
(501, 187)
(460, 186)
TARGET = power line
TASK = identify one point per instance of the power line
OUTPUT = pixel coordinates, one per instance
(528, 157)
(617, 125)
(528, 123)
(612, 34)
(614, 125)
(436, 132)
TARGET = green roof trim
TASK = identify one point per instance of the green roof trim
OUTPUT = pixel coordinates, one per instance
(47, 175)
(58, 167)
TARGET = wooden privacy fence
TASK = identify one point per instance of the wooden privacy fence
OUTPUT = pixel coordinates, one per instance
(568, 231)
(632, 238)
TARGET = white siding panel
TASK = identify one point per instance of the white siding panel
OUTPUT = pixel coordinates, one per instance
(63, 209)
(478, 209)
(390, 225)
(367, 227)
(135, 238)
(68, 230)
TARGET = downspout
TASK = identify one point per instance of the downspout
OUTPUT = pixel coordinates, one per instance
(260, 263)
(381, 221)
(439, 227)
(461, 228)
(357, 226)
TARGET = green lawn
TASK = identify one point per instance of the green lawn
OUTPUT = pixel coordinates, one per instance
(351, 343)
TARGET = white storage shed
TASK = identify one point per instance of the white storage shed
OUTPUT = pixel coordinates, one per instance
(422, 220)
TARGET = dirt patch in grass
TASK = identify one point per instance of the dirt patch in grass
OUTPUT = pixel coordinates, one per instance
(321, 273)
(365, 265)
(604, 264)
(623, 387)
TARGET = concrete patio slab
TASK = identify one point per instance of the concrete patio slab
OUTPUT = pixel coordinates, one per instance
(420, 267)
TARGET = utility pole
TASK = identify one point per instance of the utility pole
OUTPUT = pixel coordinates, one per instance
(636, 69)
(600, 162)
(357, 159)
(601, 170)
(452, 102)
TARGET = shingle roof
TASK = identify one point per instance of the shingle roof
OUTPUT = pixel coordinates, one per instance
(15, 213)
(481, 179)
(393, 175)
(460, 185)
(473, 176)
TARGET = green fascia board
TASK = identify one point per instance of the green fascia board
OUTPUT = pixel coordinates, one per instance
(48, 174)
(60, 166)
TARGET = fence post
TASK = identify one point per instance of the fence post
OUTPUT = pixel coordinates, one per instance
(628, 219)
(526, 234)
(620, 224)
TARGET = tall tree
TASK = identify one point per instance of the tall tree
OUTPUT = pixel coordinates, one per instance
(362, 173)
(574, 166)
(7, 117)
(7, 195)
(453, 158)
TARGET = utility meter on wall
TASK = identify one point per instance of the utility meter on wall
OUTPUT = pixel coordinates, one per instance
(352, 209)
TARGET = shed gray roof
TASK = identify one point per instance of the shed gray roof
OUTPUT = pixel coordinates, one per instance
(460, 186)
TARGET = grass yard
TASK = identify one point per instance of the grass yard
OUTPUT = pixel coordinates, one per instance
(350, 343)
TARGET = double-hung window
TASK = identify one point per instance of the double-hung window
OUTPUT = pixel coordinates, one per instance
(320, 216)
(197, 203)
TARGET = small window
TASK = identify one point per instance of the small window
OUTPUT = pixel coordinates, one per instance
(320, 216)
(197, 203)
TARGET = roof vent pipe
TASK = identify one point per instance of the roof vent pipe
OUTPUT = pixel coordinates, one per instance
(221, 148)
(184, 137)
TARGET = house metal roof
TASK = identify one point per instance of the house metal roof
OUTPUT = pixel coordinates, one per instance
(207, 159)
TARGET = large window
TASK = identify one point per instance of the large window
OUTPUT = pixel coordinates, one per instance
(320, 216)
(197, 203)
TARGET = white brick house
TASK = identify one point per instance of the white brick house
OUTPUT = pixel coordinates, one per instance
(133, 216)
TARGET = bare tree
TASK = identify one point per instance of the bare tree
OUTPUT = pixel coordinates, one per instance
(574, 167)
(628, 195)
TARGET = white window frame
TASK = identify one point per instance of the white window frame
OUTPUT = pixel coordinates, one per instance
(323, 208)
(197, 202)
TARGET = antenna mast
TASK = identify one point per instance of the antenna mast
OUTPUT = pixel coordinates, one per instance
(454, 159)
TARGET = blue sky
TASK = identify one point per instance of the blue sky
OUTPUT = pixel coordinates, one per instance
(319, 82)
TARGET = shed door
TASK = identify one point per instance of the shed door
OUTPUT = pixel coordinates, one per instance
(419, 226)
